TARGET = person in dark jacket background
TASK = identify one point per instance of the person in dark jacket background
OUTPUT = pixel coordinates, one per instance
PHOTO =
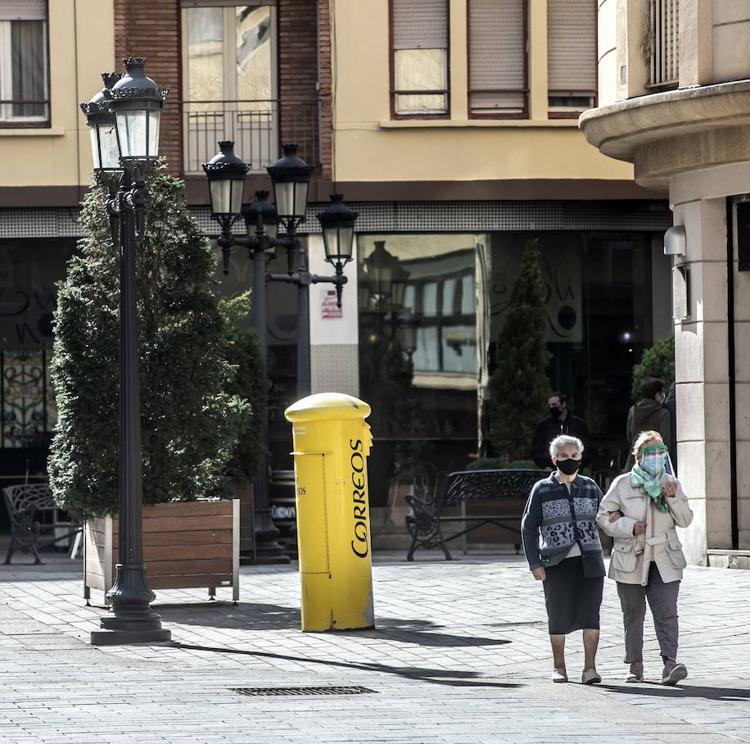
(560, 421)
(648, 414)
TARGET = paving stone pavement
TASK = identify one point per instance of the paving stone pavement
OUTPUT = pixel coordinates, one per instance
(460, 655)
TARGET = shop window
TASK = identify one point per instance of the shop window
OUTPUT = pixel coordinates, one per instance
(418, 358)
(24, 76)
(497, 58)
(420, 57)
(571, 62)
(28, 272)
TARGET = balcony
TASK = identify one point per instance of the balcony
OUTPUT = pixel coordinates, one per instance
(258, 129)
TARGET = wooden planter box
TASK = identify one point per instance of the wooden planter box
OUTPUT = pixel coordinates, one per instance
(185, 545)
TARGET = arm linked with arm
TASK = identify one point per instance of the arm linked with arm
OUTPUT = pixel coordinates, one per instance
(622, 527)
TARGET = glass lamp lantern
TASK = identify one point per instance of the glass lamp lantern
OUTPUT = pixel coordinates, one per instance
(381, 269)
(261, 212)
(105, 150)
(291, 177)
(137, 102)
(337, 223)
(226, 182)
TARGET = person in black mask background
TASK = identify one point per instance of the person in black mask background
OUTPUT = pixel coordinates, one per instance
(560, 421)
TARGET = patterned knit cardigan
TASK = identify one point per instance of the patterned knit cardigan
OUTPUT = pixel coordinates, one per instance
(556, 519)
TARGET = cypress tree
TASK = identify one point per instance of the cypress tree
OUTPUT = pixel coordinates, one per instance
(191, 419)
(519, 386)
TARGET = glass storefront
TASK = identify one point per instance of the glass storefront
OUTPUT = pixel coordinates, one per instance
(431, 310)
(29, 270)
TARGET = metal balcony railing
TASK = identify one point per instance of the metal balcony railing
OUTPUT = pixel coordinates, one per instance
(258, 129)
(664, 43)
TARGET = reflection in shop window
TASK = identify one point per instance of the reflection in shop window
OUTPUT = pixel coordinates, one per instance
(418, 359)
(28, 272)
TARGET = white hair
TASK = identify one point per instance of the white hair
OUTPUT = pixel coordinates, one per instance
(564, 440)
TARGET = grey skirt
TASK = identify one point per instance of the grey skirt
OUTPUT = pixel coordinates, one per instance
(572, 599)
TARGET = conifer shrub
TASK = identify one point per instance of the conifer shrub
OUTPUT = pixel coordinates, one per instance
(192, 415)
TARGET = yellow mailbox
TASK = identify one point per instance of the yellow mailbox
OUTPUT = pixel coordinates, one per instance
(331, 445)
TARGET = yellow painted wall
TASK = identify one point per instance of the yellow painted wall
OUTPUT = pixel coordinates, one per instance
(368, 146)
(81, 45)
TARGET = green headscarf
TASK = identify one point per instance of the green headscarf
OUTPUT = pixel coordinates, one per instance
(653, 485)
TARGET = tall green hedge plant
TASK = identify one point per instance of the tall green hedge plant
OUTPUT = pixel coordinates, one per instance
(519, 386)
(191, 414)
(657, 361)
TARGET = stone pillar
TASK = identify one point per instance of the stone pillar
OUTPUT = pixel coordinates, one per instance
(702, 378)
(702, 361)
(334, 333)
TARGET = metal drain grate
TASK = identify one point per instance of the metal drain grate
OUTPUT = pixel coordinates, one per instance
(287, 691)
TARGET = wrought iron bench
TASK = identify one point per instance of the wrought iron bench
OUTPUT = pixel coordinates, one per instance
(509, 488)
(26, 503)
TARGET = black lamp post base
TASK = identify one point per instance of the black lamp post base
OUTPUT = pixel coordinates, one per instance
(129, 637)
(267, 550)
(269, 553)
(127, 629)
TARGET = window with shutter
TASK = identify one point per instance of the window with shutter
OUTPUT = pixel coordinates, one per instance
(571, 60)
(497, 58)
(420, 57)
(24, 77)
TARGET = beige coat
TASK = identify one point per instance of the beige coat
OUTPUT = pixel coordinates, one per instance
(632, 554)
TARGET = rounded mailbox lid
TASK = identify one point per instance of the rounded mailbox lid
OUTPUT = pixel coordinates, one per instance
(327, 407)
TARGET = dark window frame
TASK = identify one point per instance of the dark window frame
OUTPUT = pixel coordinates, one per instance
(45, 123)
(392, 74)
(524, 114)
(574, 113)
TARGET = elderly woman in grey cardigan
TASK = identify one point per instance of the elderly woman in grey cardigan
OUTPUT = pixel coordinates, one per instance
(640, 511)
(562, 547)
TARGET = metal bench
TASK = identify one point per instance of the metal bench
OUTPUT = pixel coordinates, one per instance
(509, 488)
(26, 504)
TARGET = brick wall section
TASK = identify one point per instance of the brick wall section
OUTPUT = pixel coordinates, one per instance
(151, 29)
(298, 75)
(326, 90)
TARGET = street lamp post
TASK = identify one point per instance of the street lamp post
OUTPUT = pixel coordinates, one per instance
(124, 123)
(290, 177)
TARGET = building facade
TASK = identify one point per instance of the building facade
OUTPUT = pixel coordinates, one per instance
(451, 127)
(675, 102)
(47, 64)
(454, 135)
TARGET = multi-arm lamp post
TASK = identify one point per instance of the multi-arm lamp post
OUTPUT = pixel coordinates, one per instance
(124, 124)
(290, 177)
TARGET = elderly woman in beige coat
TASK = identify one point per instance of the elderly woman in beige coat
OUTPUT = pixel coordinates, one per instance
(640, 511)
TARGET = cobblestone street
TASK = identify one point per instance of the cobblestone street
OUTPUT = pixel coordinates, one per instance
(460, 655)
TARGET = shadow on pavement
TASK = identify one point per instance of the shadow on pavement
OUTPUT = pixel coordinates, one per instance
(433, 676)
(276, 617)
(653, 689)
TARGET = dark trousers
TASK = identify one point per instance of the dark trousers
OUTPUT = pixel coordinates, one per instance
(662, 599)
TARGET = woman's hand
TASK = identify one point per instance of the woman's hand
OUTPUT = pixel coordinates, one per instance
(539, 573)
(670, 488)
(639, 528)
(614, 516)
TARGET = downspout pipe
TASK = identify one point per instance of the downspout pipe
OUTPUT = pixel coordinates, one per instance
(731, 376)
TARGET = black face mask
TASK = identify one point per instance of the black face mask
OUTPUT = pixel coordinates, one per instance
(555, 412)
(568, 467)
